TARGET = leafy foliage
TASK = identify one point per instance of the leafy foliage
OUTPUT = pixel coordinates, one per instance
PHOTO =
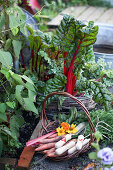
(21, 83)
(99, 91)
(52, 85)
(75, 40)
(70, 118)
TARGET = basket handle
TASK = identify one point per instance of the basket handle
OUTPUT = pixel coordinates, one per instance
(43, 114)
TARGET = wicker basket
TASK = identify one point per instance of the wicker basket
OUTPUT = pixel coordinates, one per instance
(50, 126)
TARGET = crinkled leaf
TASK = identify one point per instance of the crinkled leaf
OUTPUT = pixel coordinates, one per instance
(75, 38)
(100, 93)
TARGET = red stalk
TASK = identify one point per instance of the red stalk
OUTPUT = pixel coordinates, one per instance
(75, 93)
(65, 68)
(32, 56)
(69, 76)
(37, 58)
(32, 142)
(81, 94)
(100, 78)
(39, 69)
(21, 53)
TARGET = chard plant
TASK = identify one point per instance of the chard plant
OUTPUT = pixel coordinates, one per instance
(74, 41)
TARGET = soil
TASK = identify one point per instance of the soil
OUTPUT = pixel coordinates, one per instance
(41, 163)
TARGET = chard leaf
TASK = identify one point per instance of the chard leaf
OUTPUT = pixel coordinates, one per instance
(52, 85)
(75, 38)
(100, 93)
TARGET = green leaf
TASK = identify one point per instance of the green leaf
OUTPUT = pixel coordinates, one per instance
(3, 117)
(27, 79)
(96, 146)
(18, 92)
(15, 31)
(11, 104)
(29, 105)
(8, 132)
(5, 59)
(72, 115)
(93, 155)
(98, 136)
(2, 107)
(17, 45)
(13, 24)
(16, 121)
(6, 73)
(16, 77)
(8, 44)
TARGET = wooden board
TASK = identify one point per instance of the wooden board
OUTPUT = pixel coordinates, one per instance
(85, 13)
(28, 152)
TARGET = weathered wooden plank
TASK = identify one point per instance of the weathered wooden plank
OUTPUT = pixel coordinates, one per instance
(28, 152)
(85, 15)
(74, 11)
(106, 16)
(97, 14)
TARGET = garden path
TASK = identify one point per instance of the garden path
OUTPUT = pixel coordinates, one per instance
(85, 13)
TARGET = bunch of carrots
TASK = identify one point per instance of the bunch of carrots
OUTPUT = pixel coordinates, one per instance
(46, 143)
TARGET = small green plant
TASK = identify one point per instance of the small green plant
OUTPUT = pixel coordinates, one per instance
(104, 156)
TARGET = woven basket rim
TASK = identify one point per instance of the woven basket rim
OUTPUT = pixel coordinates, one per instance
(46, 124)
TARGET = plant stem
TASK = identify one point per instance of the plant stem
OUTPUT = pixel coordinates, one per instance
(69, 76)
(100, 78)
(32, 56)
(37, 58)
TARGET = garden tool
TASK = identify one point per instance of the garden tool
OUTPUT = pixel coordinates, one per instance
(105, 126)
(79, 128)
